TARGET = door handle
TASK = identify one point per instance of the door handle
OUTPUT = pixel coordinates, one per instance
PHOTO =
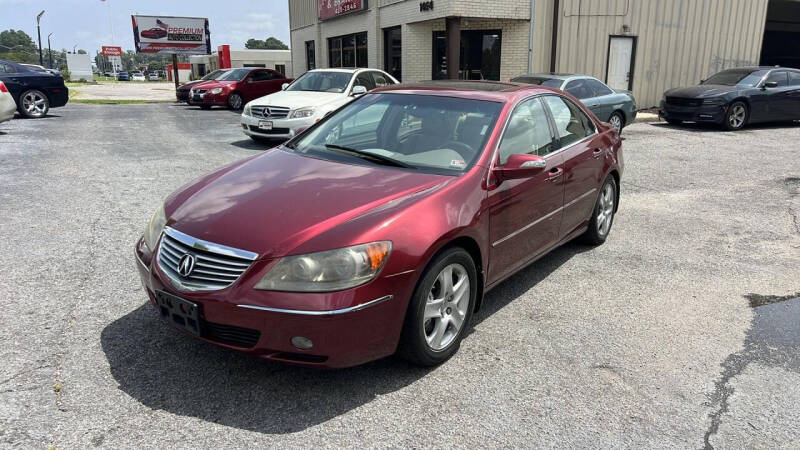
(555, 173)
(597, 153)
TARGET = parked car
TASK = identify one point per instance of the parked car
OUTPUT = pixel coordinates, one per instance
(123, 76)
(237, 87)
(307, 99)
(34, 92)
(154, 33)
(38, 68)
(734, 98)
(380, 228)
(182, 93)
(137, 76)
(616, 107)
(7, 104)
(153, 76)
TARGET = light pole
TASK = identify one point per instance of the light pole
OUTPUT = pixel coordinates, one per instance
(49, 51)
(39, 32)
(73, 48)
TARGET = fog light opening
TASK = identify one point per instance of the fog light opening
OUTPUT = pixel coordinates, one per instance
(302, 342)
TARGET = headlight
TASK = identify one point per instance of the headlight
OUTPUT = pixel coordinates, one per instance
(246, 111)
(154, 228)
(215, 91)
(300, 113)
(714, 101)
(332, 270)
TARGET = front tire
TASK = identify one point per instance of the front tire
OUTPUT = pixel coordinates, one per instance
(736, 117)
(33, 104)
(603, 213)
(235, 101)
(440, 309)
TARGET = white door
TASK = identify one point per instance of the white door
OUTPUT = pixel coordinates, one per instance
(620, 57)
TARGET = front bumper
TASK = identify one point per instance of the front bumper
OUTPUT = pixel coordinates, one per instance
(703, 113)
(207, 99)
(347, 328)
(182, 95)
(281, 128)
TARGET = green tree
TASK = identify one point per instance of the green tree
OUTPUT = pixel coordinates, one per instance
(81, 51)
(271, 43)
(16, 45)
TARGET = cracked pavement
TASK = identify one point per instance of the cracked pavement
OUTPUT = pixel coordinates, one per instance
(647, 341)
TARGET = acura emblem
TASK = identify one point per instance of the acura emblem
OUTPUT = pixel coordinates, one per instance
(186, 265)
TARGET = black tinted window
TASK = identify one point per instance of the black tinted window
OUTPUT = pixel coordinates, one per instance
(580, 89)
(781, 77)
(7, 68)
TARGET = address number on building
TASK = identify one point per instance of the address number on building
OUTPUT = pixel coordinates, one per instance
(426, 6)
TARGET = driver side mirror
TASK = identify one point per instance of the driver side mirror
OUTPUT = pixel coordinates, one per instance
(771, 84)
(358, 90)
(284, 86)
(521, 165)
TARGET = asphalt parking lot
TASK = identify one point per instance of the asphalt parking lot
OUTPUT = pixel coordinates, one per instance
(680, 331)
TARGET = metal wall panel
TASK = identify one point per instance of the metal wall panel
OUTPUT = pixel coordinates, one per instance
(302, 13)
(679, 42)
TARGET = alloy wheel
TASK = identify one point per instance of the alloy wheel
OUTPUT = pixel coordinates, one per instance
(446, 307)
(34, 103)
(737, 116)
(236, 101)
(605, 212)
(616, 122)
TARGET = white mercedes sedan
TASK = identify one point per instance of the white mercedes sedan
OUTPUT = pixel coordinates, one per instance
(308, 99)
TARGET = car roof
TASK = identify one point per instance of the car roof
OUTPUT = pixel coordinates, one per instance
(343, 69)
(479, 90)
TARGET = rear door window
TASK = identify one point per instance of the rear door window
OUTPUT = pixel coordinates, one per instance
(794, 78)
(599, 88)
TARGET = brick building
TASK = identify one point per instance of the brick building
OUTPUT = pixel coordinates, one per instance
(646, 46)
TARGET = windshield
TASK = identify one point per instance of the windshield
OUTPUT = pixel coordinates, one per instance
(322, 82)
(422, 132)
(541, 81)
(234, 75)
(214, 75)
(736, 77)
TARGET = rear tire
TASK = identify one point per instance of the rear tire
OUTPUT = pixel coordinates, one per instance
(603, 213)
(440, 310)
(617, 121)
(737, 116)
(33, 104)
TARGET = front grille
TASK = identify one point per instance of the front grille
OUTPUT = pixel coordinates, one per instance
(215, 266)
(679, 101)
(269, 112)
(272, 131)
(231, 335)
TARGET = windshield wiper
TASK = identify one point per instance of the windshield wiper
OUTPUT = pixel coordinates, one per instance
(367, 155)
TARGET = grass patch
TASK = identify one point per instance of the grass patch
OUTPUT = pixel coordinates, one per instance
(97, 101)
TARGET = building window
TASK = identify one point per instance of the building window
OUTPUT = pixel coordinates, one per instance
(348, 51)
(281, 68)
(392, 52)
(311, 62)
(480, 55)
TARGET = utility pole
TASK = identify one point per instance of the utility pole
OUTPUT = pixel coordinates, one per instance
(39, 32)
(49, 52)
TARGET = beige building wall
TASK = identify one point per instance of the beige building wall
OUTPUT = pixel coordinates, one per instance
(679, 42)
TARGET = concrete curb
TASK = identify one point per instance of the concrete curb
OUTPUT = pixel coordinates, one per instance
(643, 117)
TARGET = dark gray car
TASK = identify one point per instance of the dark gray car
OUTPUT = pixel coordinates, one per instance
(617, 107)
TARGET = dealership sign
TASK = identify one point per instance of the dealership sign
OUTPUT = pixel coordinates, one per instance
(177, 35)
(112, 51)
(327, 9)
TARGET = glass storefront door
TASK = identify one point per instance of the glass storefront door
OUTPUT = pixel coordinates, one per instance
(480, 55)
(392, 52)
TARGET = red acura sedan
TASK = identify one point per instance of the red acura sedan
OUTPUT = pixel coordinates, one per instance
(380, 228)
(237, 87)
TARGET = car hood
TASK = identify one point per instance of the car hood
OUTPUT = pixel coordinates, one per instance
(272, 203)
(702, 91)
(211, 84)
(299, 99)
(191, 84)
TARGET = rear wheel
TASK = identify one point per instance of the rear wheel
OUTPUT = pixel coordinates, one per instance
(235, 101)
(603, 214)
(736, 117)
(33, 104)
(440, 310)
(617, 121)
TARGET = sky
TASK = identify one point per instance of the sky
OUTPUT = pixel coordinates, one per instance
(86, 23)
